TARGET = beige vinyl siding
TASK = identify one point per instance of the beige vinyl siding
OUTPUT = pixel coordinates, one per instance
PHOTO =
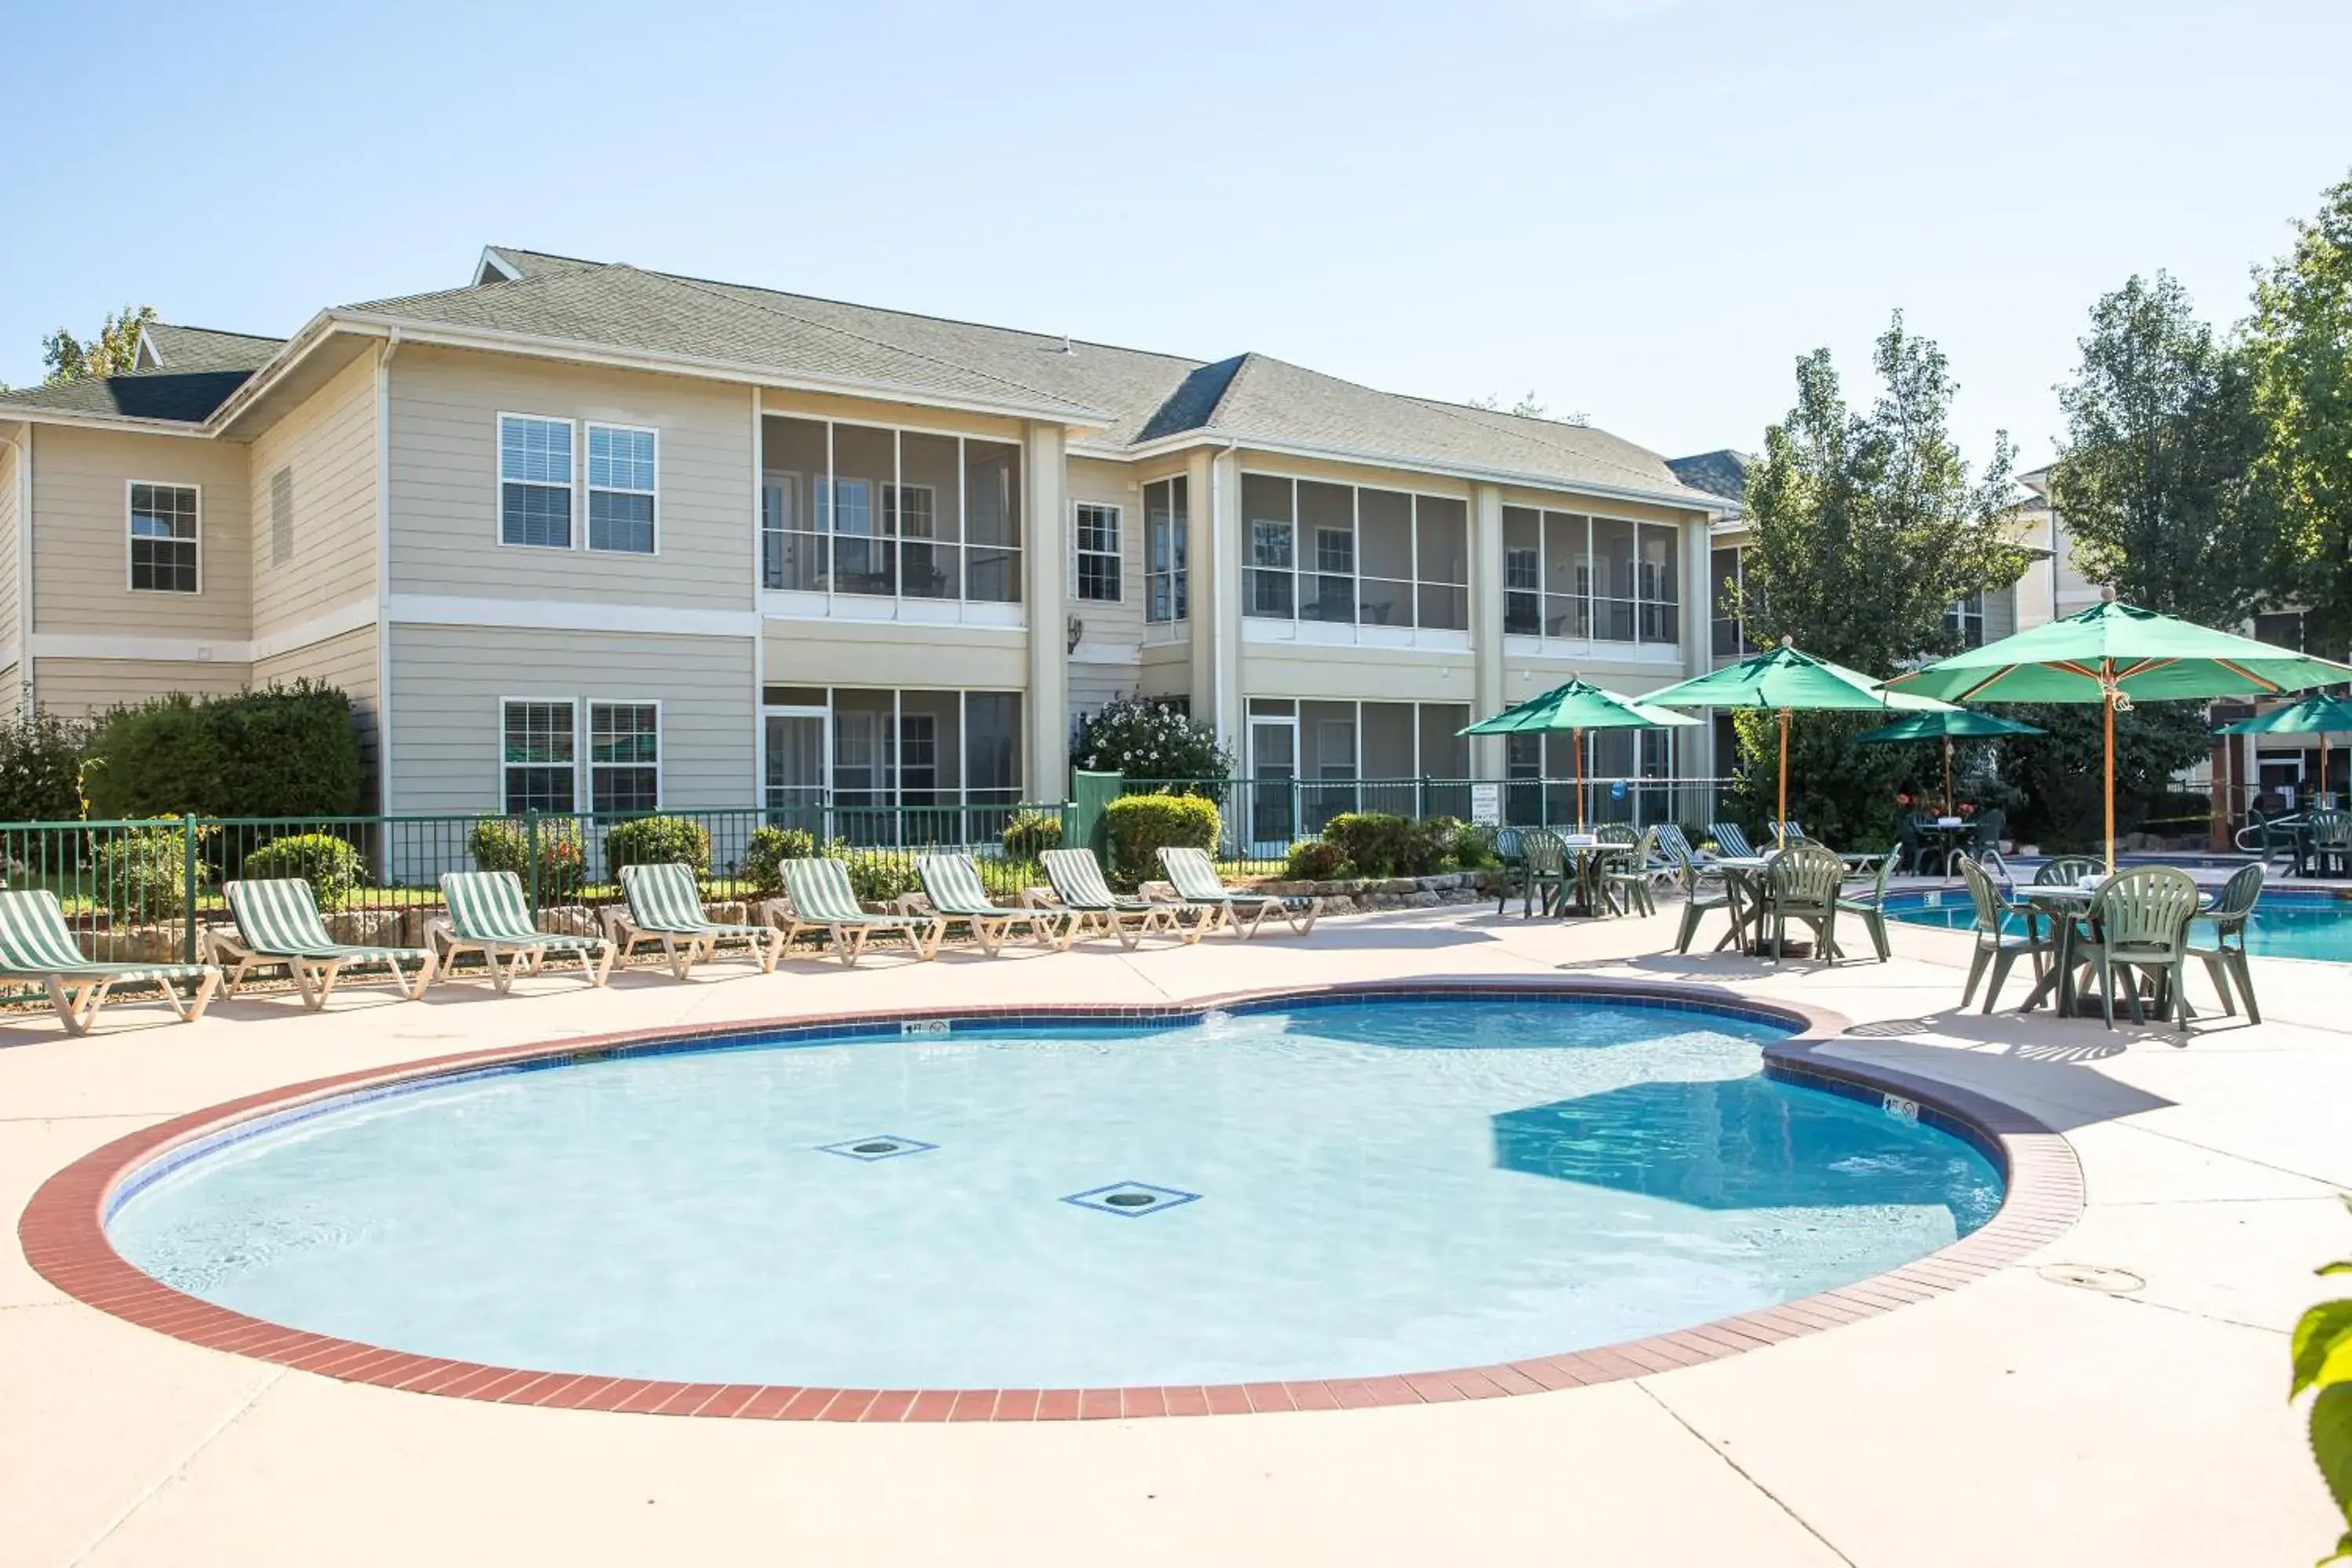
(326, 445)
(850, 653)
(1113, 624)
(9, 630)
(445, 408)
(347, 662)
(1387, 675)
(447, 682)
(81, 543)
(80, 686)
(1999, 613)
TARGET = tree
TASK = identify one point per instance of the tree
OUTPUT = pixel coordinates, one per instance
(112, 352)
(1866, 528)
(1530, 406)
(2157, 478)
(2300, 343)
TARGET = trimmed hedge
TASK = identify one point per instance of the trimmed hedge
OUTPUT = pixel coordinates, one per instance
(1139, 826)
(765, 854)
(1315, 861)
(332, 866)
(286, 751)
(497, 844)
(656, 841)
(1380, 844)
(1030, 833)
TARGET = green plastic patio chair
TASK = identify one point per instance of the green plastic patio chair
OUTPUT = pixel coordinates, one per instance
(487, 915)
(1729, 839)
(37, 944)
(1871, 908)
(1995, 948)
(662, 905)
(2064, 871)
(818, 896)
(1080, 887)
(1625, 878)
(2138, 924)
(1511, 865)
(1803, 885)
(952, 884)
(2225, 960)
(278, 926)
(2331, 843)
(1195, 877)
(1698, 901)
(1543, 874)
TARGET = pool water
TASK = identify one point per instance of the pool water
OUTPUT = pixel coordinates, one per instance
(1331, 1190)
(2284, 925)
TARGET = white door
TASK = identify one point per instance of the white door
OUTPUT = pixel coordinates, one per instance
(1274, 792)
(796, 769)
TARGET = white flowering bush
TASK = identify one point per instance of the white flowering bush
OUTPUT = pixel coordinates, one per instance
(1147, 740)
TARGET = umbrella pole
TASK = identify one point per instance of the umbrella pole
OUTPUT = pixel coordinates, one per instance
(1577, 737)
(1947, 775)
(2108, 704)
(1780, 827)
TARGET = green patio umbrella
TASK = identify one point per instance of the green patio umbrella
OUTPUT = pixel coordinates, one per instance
(2317, 714)
(1576, 707)
(1946, 724)
(1787, 681)
(2114, 654)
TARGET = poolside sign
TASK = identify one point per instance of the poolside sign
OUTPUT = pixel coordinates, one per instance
(1486, 805)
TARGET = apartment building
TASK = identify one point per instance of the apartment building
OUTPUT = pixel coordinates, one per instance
(577, 534)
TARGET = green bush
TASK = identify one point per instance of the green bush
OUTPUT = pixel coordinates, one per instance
(878, 878)
(1315, 861)
(656, 841)
(1381, 844)
(497, 844)
(763, 858)
(1031, 833)
(1138, 827)
(288, 751)
(1471, 846)
(141, 874)
(40, 767)
(332, 866)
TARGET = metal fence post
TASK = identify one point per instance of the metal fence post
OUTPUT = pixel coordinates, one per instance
(188, 889)
(530, 856)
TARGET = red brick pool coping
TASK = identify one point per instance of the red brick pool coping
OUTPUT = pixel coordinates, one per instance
(63, 1235)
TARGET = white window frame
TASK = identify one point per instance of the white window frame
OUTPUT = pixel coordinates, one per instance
(579, 530)
(1306, 561)
(589, 487)
(1958, 614)
(1116, 555)
(585, 748)
(573, 704)
(130, 583)
(1177, 575)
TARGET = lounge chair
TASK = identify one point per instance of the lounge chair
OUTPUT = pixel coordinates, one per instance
(487, 915)
(1079, 889)
(1195, 877)
(663, 907)
(37, 944)
(818, 897)
(1731, 841)
(277, 926)
(952, 884)
(1792, 832)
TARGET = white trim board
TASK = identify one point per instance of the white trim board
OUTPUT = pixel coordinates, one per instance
(567, 615)
(345, 617)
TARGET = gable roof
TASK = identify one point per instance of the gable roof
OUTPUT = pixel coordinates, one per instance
(164, 346)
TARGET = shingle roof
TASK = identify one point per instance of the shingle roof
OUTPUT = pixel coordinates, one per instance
(187, 396)
(181, 348)
(1723, 472)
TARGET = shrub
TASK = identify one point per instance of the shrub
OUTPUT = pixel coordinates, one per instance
(656, 841)
(1139, 826)
(1381, 844)
(40, 767)
(331, 866)
(763, 858)
(497, 844)
(141, 873)
(287, 751)
(1429, 846)
(1149, 740)
(876, 878)
(1031, 833)
(1315, 861)
(1473, 846)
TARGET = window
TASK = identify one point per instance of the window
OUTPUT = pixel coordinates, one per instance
(2280, 629)
(281, 517)
(621, 465)
(534, 481)
(851, 759)
(1355, 556)
(623, 756)
(1166, 519)
(541, 775)
(164, 539)
(1583, 578)
(888, 514)
(1097, 544)
(1727, 586)
(1964, 619)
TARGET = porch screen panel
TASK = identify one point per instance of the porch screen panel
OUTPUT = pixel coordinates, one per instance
(1385, 541)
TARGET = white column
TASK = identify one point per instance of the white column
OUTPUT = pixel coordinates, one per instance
(1695, 748)
(1201, 585)
(1044, 553)
(1487, 625)
(1229, 542)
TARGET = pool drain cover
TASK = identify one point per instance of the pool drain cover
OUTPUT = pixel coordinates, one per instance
(1130, 1198)
(880, 1146)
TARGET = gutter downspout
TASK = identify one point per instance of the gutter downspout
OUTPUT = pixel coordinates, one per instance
(22, 444)
(384, 584)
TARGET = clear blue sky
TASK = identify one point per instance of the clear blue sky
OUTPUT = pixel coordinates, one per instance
(1643, 209)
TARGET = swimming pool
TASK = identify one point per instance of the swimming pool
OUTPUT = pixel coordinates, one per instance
(1330, 1188)
(2283, 924)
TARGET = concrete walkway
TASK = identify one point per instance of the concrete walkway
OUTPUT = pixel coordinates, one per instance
(2029, 1418)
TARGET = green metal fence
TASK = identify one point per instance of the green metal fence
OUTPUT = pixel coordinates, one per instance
(140, 890)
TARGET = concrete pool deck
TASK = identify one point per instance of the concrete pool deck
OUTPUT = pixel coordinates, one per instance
(2021, 1418)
